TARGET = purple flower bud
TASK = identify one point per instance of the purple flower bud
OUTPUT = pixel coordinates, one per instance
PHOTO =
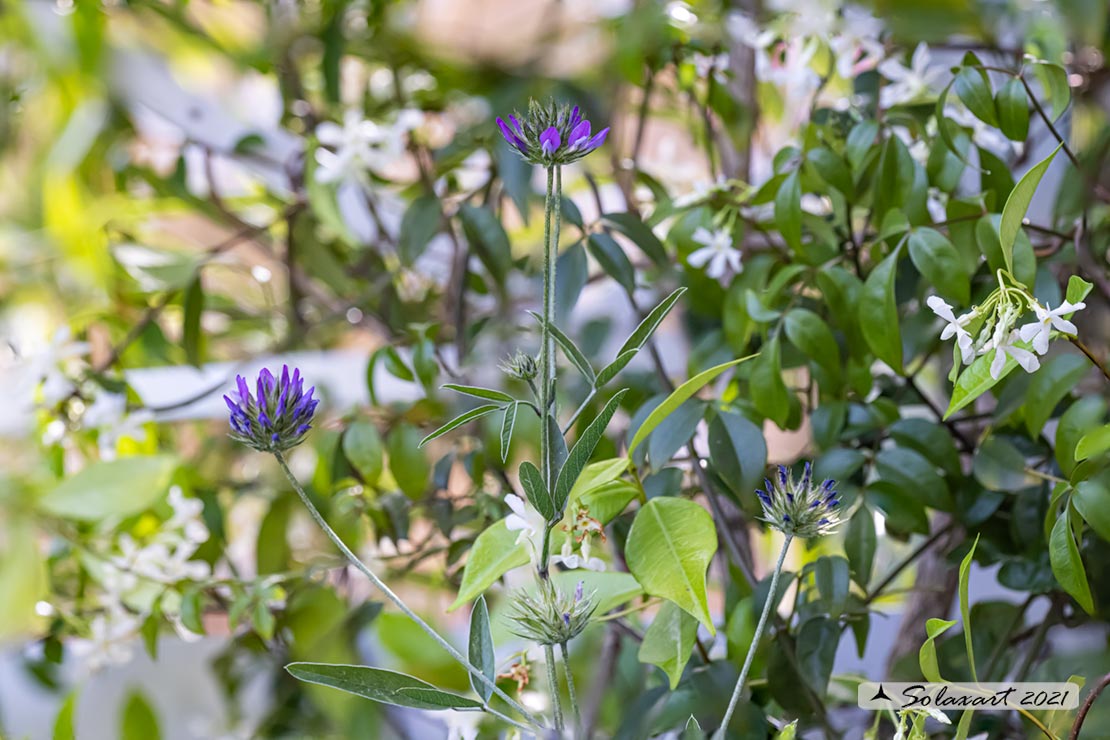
(807, 475)
(783, 475)
(579, 135)
(278, 418)
(581, 584)
(550, 141)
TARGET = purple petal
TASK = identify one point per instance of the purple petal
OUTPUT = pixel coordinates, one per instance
(516, 126)
(510, 136)
(598, 140)
(244, 392)
(550, 141)
(580, 134)
(575, 117)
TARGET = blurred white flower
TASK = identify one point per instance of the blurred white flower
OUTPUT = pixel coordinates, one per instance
(857, 46)
(524, 519)
(111, 640)
(361, 146)
(909, 84)
(186, 516)
(747, 31)
(568, 558)
(718, 255)
(108, 415)
(45, 366)
(461, 725)
(985, 136)
(706, 65)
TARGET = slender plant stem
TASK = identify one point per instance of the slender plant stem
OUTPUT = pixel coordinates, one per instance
(578, 412)
(723, 729)
(1083, 710)
(381, 586)
(553, 687)
(570, 690)
(1090, 356)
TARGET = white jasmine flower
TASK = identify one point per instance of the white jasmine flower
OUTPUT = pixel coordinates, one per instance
(718, 253)
(108, 414)
(111, 640)
(573, 561)
(1037, 333)
(44, 366)
(909, 83)
(361, 146)
(955, 326)
(187, 516)
(857, 46)
(1024, 357)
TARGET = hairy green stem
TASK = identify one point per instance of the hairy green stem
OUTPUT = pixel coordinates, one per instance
(551, 212)
(381, 586)
(553, 687)
(570, 690)
(722, 731)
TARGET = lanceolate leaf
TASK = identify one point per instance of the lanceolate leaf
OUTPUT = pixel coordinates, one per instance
(1013, 110)
(878, 313)
(458, 421)
(570, 349)
(677, 397)
(582, 451)
(639, 338)
(668, 551)
(927, 656)
(965, 607)
(378, 684)
(635, 229)
(1017, 205)
(487, 393)
(1067, 565)
(480, 652)
(508, 422)
(536, 491)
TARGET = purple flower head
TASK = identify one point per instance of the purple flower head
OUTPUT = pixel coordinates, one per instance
(551, 134)
(799, 506)
(277, 416)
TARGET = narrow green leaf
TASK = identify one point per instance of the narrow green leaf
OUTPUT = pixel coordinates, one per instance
(770, 396)
(860, 543)
(669, 548)
(488, 394)
(508, 423)
(419, 224)
(380, 685)
(458, 421)
(1017, 204)
(538, 495)
(945, 128)
(677, 397)
(570, 349)
(1067, 565)
(878, 313)
(487, 236)
(64, 727)
(481, 652)
(1080, 418)
(1013, 110)
(651, 322)
(788, 211)
(582, 451)
(668, 641)
(192, 337)
(860, 140)
(965, 607)
(1091, 499)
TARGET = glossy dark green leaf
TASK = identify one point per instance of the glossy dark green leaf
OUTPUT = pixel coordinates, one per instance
(640, 233)
(974, 90)
(1013, 110)
(860, 542)
(1067, 564)
(612, 259)
(536, 492)
(832, 169)
(788, 211)
(192, 337)
(582, 451)
(1049, 386)
(810, 333)
(769, 393)
(738, 451)
(1082, 417)
(487, 237)
(878, 313)
(940, 264)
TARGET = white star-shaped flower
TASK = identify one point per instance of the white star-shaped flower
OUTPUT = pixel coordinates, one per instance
(1037, 333)
(718, 256)
(523, 519)
(908, 83)
(955, 327)
(1028, 361)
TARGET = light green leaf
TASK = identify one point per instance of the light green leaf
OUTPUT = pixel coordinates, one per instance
(788, 211)
(139, 722)
(939, 262)
(1049, 386)
(480, 649)
(582, 451)
(192, 338)
(494, 553)
(380, 685)
(668, 641)
(1091, 499)
(1093, 443)
(1017, 205)
(22, 577)
(611, 588)
(878, 313)
(508, 423)
(638, 338)
(1067, 565)
(677, 398)
(598, 473)
(111, 489)
(362, 446)
(1080, 418)
(975, 380)
(607, 501)
(64, 727)
(927, 656)
(965, 607)
(458, 421)
(1054, 79)
(669, 548)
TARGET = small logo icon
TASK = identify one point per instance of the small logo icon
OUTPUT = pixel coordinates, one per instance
(880, 695)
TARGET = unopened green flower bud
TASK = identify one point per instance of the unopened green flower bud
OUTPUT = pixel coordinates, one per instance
(550, 617)
(521, 366)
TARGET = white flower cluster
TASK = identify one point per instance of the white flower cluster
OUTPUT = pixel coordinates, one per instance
(991, 327)
(359, 146)
(530, 524)
(718, 255)
(127, 576)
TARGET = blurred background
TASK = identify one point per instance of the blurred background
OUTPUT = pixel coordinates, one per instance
(183, 197)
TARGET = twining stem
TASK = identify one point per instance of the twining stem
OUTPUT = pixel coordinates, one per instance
(570, 690)
(723, 729)
(553, 687)
(362, 568)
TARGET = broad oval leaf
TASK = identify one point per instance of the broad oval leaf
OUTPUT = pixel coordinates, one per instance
(1013, 110)
(494, 553)
(363, 448)
(939, 262)
(1049, 386)
(1067, 565)
(809, 333)
(111, 489)
(878, 313)
(669, 548)
(668, 641)
(380, 685)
